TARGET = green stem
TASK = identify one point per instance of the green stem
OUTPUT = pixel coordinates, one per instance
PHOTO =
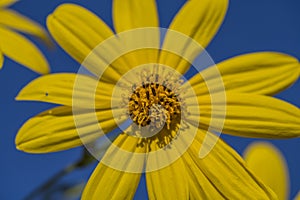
(84, 161)
(51, 181)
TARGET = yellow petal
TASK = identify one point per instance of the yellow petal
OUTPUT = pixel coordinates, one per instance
(79, 31)
(125, 154)
(200, 186)
(251, 115)
(68, 89)
(21, 50)
(21, 23)
(170, 182)
(226, 171)
(1, 59)
(109, 183)
(260, 73)
(131, 14)
(199, 20)
(298, 196)
(55, 129)
(267, 162)
(4, 3)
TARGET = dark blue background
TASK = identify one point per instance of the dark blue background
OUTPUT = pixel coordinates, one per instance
(249, 26)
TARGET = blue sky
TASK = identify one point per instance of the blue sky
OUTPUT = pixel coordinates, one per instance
(256, 25)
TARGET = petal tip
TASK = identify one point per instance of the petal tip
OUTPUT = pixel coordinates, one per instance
(19, 147)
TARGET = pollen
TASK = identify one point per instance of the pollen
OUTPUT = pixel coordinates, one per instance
(150, 100)
(153, 105)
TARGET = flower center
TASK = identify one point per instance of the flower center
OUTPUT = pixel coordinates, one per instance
(151, 97)
(155, 105)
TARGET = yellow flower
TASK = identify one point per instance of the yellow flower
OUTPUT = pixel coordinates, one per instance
(267, 162)
(17, 47)
(134, 78)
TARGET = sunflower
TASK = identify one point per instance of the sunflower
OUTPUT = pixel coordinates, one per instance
(268, 163)
(17, 47)
(169, 125)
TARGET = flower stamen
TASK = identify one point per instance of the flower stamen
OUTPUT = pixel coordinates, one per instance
(153, 104)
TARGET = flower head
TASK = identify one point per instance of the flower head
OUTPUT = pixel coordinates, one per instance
(17, 47)
(136, 83)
